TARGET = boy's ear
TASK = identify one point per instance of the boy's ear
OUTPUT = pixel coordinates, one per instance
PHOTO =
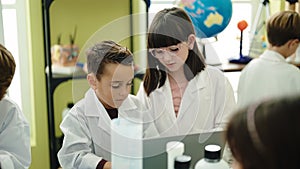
(293, 42)
(92, 80)
(191, 41)
(297, 41)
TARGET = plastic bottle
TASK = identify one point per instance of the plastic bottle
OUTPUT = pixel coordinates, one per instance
(174, 149)
(212, 159)
(182, 162)
(129, 131)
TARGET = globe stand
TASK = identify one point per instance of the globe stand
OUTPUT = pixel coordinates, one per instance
(243, 59)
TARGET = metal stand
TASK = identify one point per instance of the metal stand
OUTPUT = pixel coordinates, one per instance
(256, 26)
(243, 59)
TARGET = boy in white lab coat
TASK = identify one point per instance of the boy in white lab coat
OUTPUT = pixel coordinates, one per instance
(14, 128)
(270, 75)
(86, 128)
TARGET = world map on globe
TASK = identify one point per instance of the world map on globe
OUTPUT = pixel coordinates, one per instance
(209, 17)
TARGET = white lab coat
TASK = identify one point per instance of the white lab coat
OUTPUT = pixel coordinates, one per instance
(14, 136)
(207, 104)
(266, 77)
(87, 131)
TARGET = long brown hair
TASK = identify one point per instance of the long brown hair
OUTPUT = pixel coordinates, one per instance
(169, 27)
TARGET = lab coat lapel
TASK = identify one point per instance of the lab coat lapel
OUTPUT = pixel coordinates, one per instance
(191, 95)
(95, 109)
(164, 110)
(272, 56)
(165, 102)
(129, 109)
(99, 121)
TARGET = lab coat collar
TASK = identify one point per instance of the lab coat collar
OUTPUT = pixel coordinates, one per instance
(93, 103)
(127, 105)
(164, 88)
(94, 108)
(271, 55)
(198, 83)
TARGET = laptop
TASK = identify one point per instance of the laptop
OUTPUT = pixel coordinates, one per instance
(154, 149)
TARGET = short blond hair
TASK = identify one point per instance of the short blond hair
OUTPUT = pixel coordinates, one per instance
(282, 27)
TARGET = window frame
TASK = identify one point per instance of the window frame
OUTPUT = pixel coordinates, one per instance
(21, 87)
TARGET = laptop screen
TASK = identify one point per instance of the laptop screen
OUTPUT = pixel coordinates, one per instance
(154, 149)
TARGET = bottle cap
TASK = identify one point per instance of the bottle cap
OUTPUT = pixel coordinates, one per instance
(174, 149)
(182, 162)
(212, 152)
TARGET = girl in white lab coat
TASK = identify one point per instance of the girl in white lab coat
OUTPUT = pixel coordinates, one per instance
(14, 128)
(86, 128)
(184, 94)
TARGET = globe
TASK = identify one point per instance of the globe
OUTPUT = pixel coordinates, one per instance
(209, 17)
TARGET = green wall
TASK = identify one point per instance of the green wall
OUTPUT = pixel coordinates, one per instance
(40, 150)
(89, 16)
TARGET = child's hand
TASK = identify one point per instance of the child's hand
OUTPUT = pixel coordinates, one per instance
(107, 165)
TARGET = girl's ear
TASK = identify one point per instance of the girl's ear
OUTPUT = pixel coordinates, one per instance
(92, 80)
(191, 41)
